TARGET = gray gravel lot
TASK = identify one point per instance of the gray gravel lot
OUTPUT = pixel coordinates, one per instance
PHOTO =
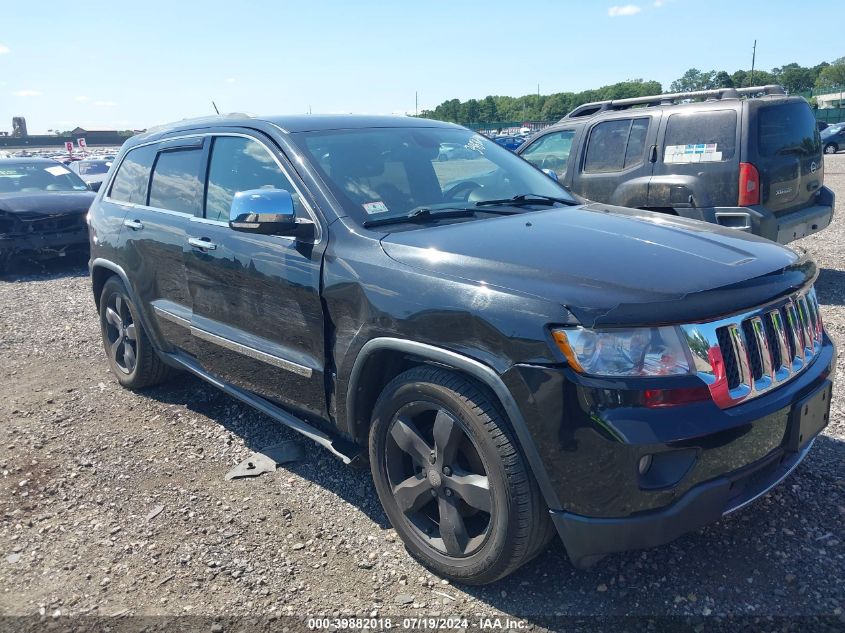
(84, 464)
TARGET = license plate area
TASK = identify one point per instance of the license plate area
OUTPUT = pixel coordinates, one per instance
(809, 416)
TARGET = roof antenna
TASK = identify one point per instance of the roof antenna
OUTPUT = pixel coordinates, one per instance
(215, 107)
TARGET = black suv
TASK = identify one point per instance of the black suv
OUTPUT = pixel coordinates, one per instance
(514, 361)
(753, 164)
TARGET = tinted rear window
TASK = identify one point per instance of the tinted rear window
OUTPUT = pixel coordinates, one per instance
(787, 127)
(698, 133)
(130, 182)
(176, 181)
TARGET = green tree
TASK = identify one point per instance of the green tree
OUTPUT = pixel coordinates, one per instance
(742, 78)
(833, 76)
(469, 112)
(722, 80)
(557, 106)
(794, 77)
(487, 111)
(693, 80)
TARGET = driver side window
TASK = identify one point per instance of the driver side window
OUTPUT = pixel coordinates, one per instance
(241, 164)
(551, 151)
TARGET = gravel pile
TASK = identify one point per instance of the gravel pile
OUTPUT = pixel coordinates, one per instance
(115, 503)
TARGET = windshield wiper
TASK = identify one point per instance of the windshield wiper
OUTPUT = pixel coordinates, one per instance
(527, 199)
(424, 214)
(421, 214)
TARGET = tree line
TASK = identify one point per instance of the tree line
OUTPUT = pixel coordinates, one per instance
(793, 77)
(535, 107)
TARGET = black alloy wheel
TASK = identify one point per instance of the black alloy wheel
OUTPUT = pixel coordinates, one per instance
(451, 477)
(438, 479)
(121, 334)
(131, 356)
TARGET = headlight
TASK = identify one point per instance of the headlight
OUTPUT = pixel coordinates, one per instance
(655, 351)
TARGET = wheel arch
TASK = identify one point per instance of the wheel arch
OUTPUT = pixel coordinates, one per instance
(101, 271)
(391, 356)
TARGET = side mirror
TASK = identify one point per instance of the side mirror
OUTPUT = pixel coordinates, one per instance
(265, 211)
(94, 186)
(551, 174)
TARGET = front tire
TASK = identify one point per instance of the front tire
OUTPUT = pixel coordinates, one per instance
(452, 480)
(831, 148)
(130, 354)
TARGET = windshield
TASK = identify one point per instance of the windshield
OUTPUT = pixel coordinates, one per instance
(93, 168)
(31, 177)
(379, 173)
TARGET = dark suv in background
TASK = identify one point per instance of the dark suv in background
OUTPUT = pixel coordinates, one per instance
(510, 360)
(753, 164)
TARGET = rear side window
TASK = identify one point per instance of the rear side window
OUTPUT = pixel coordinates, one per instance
(551, 151)
(130, 182)
(787, 128)
(700, 137)
(241, 164)
(616, 145)
(175, 184)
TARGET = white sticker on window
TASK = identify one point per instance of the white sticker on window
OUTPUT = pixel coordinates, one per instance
(57, 170)
(373, 208)
(692, 153)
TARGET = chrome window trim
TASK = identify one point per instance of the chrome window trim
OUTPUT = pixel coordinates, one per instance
(305, 203)
(251, 352)
(211, 222)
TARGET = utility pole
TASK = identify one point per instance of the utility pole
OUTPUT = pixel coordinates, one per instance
(416, 103)
(753, 59)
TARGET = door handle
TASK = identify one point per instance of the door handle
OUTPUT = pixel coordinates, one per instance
(135, 225)
(202, 242)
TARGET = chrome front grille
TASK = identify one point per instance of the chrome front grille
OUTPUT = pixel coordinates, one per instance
(746, 355)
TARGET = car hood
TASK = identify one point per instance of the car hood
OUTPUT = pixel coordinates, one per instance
(32, 205)
(610, 265)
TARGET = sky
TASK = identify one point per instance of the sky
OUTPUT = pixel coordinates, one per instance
(130, 65)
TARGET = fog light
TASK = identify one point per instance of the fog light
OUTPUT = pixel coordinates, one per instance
(644, 465)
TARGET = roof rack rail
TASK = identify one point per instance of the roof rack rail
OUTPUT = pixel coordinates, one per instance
(589, 109)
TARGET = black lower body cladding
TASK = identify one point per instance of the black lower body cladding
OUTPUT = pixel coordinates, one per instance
(631, 477)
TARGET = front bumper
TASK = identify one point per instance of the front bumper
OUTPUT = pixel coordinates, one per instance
(590, 441)
(45, 245)
(588, 539)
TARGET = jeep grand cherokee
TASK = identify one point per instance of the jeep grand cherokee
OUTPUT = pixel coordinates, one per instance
(515, 361)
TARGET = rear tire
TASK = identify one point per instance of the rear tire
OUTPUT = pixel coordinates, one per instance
(452, 480)
(831, 148)
(130, 354)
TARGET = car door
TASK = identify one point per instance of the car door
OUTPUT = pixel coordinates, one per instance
(256, 312)
(551, 151)
(615, 164)
(154, 232)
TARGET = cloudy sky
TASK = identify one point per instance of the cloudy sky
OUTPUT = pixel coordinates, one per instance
(132, 65)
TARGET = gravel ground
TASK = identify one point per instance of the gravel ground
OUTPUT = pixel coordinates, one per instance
(114, 502)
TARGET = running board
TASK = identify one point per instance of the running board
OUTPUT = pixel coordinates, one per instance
(348, 452)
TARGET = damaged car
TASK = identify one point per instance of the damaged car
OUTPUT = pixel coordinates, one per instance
(43, 208)
(512, 361)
